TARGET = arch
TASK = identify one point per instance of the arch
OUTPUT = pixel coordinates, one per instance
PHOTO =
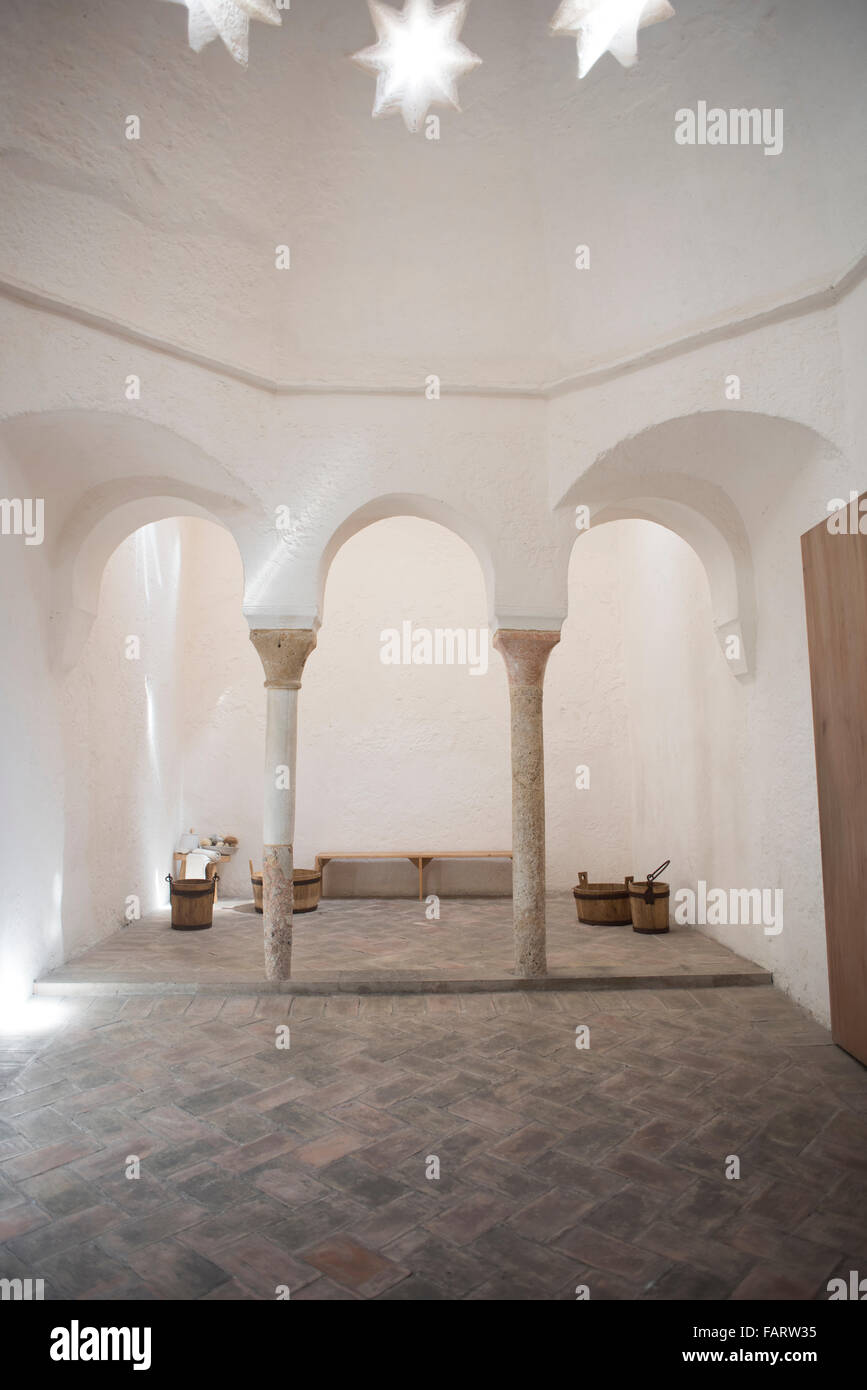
(701, 476)
(383, 733)
(426, 509)
(91, 539)
(131, 717)
(723, 549)
(103, 476)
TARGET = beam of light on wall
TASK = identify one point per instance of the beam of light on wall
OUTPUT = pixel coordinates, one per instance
(153, 830)
(148, 559)
(299, 535)
(141, 561)
(152, 547)
(152, 811)
(176, 565)
(418, 58)
(151, 716)
(54, 934)
(268, 581)
(158, 805)
(259, 583)
(608, 26)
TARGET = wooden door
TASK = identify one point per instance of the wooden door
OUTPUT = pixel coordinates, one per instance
(835, 584)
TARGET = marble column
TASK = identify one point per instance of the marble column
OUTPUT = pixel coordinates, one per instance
(526, 655)
(283, 652)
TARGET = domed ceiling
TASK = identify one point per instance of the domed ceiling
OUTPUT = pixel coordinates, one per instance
(412, 256)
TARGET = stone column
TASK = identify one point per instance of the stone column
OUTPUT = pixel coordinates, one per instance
(526, 655)
(283, 652)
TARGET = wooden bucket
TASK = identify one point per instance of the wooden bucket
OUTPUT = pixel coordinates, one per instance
(192, 902)
(602, 904)
(306, 887)
(649, 903)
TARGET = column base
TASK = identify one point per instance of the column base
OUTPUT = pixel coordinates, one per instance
(530, 950)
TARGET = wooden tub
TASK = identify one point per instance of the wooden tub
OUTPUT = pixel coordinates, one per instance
(603, 904)
(306, 888)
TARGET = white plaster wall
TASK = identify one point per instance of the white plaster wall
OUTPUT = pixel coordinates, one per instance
(685, 711)
(31, 762)
(663, 722)
(486, 458)
(714, 773)
(172, 740)
(402, 757)
(389, 757)
(121, 721)
(723, 771)
(223, 711)
(408, 757)
(587, 721)
(852, 327)
(395, 758)
(685, 761)
(778, 795)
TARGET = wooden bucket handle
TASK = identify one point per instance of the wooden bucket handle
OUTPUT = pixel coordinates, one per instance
(649, 896)
(208, 881)
(582, 879)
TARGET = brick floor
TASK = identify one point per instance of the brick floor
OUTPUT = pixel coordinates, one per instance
(354, 940)
(309, 1167)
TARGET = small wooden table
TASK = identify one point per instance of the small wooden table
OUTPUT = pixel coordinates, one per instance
(421, 859)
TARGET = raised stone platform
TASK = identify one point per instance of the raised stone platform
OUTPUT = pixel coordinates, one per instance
(389, 947)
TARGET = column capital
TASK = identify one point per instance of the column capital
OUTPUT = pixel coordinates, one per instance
(283, 652)
(525, 653)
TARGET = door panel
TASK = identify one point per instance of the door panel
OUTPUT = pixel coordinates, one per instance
(835, 585)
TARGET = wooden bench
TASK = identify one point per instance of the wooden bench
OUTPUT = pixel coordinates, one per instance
(422, 860)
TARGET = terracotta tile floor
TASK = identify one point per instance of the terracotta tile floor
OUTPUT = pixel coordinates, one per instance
(311, 1167)
(391, 940)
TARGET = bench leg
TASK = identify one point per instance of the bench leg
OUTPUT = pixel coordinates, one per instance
(416, 859)
(422, 865)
